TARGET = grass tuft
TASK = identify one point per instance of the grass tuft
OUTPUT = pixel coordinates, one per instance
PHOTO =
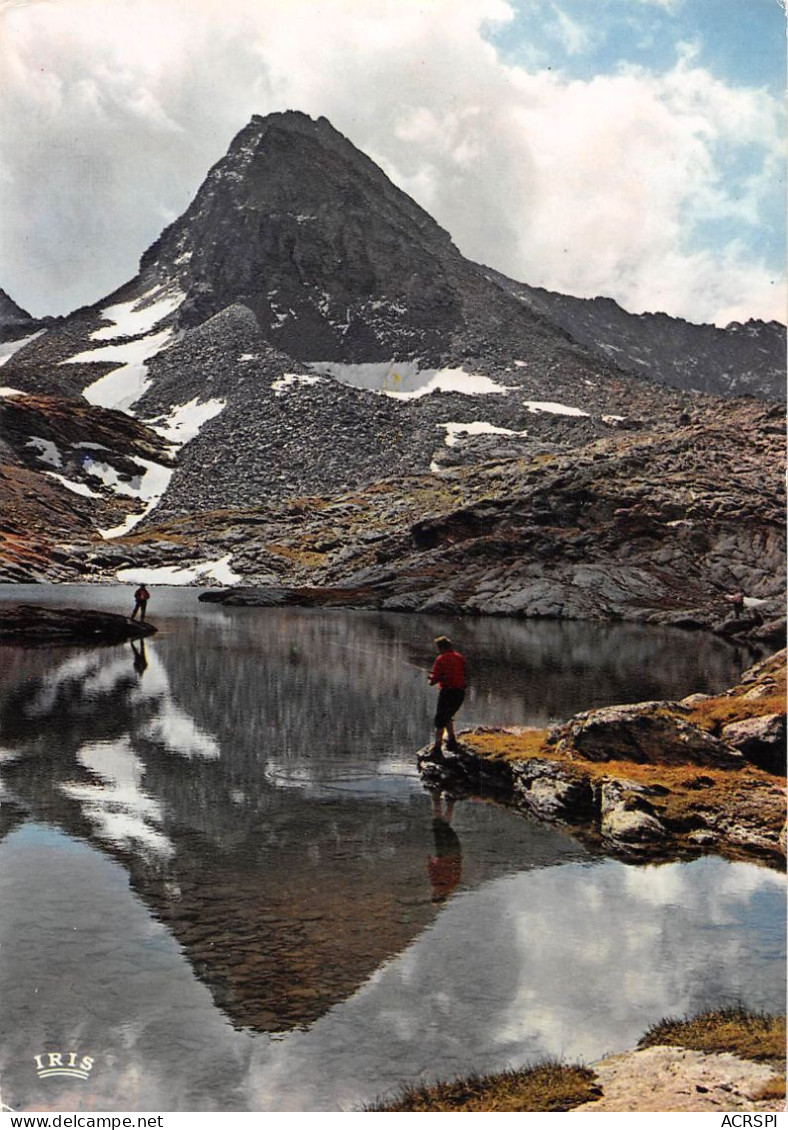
(772, 1091)
(750, 1035)
(547, 1087)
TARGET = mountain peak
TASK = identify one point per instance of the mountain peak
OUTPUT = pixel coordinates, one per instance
(12, 316)
(304, 229)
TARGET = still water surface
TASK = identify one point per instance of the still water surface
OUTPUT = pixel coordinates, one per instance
(221, 880)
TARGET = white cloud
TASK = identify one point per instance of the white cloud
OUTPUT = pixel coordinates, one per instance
(111, 117)
(575, 37)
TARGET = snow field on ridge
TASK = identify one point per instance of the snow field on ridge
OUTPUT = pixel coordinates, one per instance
(218, 570)
(128, 320)
(406, 381)
(125, 385)
(9, 348)
(475, 428)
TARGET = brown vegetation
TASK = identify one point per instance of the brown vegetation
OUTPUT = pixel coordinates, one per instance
(547, 1087)
(749, 1035)
(559, 1087)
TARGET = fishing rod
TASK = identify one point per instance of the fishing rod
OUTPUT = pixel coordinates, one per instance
(369, 651)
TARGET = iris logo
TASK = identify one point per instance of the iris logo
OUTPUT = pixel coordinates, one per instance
(63, 1063)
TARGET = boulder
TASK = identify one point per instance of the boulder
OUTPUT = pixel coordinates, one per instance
(631, 826)
(771, 632)
(694, 700)
(760, 740)
(738, 625)
(650, 733)
(442, 604)
(462, 772)
(551, 792)
(767, 670)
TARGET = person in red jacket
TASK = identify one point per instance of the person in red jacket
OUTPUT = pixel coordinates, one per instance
(448, 671)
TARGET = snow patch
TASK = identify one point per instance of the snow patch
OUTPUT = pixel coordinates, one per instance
(130, 319)
(110, 478)
(405, 381)
(476, 428)
(179, 427)
(125, 385)
(186, 420)
(12, 392)
(77, 488)
(290, 380)
(218, 571)
(613, 419)
(153, 482)
(47, 451)
(554, 408)
(9, 348)
(453, 380)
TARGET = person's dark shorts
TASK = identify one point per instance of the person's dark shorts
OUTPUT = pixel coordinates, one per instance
(449, 702)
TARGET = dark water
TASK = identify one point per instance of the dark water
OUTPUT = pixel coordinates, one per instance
(221, 880)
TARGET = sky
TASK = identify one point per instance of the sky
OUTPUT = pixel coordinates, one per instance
(628, 148)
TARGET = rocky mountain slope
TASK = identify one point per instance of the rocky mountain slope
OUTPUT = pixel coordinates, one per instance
(67, 470)
(648, 526)
(305, 335)
(739, 360)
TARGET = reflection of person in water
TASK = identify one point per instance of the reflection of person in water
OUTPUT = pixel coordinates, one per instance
(140, 658)
(445, 866)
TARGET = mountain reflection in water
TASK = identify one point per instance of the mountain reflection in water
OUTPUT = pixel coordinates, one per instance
(251, 774)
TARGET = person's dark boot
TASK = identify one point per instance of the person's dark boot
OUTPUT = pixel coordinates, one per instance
(436, 750)
(452, 745)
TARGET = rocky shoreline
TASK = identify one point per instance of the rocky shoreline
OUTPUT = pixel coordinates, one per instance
(381, 595)
(646, 781)
(35, 624)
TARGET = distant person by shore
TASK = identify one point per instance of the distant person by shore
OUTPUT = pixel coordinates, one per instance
(448, 672)
(141, 598)
(737, 602)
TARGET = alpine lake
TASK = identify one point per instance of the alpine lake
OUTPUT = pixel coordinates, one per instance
(222, 887)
